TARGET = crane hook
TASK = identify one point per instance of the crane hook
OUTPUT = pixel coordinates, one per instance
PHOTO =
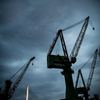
(93, 28)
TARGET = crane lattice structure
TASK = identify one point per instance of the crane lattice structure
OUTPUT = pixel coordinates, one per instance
(84, 90)
(9, 90)
(64, 62)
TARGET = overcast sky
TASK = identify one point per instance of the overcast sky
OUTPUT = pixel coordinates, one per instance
(27, 29)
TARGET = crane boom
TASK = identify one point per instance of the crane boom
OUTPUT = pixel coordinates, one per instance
(15, 85)
(79, 40)
(92, 70)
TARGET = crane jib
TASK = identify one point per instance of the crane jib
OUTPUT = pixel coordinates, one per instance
(79, 40)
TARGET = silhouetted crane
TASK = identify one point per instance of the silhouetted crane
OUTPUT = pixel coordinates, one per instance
(84, 90)
(64, 62)
(8, 91)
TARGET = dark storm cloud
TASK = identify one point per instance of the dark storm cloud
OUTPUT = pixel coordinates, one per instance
(27, 29)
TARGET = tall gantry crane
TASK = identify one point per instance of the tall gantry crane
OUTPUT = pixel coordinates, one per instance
(64, 62)
(84, 90)
(9, 90)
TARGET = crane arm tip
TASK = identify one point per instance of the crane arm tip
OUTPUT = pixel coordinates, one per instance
(32, 58)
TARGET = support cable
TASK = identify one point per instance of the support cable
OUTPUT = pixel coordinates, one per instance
(87, 62)
(34, 94)
(92, 24)
(18, 71)
(73, 25)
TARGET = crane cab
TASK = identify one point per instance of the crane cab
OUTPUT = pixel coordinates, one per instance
(56, 61)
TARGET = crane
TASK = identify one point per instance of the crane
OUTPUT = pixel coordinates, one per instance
(8, 91)
(84, 90)
(64, 62)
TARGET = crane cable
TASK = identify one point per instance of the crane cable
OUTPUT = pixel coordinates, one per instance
(87, 62)
(34, 94)
(78, 24)
(73, 25)
(18, 71)
(14, 75)
(92, 24)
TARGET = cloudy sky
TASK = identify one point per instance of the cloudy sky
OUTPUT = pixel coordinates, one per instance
(27, 29)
